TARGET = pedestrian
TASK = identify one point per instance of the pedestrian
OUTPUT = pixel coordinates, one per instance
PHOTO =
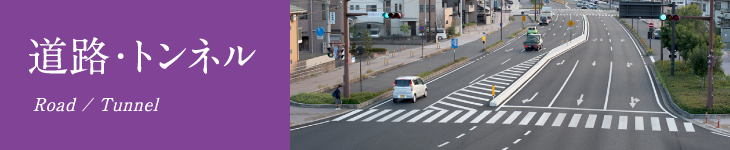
(337, 96)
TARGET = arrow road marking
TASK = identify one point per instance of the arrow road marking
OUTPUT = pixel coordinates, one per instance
(594, 63)
(560, 63)
(508, 50)
(528, 100)
(580, 99)
(633, 102)
(595, 39)
(628, 64)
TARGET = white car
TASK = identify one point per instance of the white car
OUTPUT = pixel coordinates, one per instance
(409, 87)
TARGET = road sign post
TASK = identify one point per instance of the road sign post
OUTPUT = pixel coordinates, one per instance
(320, 33)
(454, 45)
(570, 23)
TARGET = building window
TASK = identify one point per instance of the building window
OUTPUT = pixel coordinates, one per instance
(303, 16)
(428, 7)
(421, 10)
(718, 5)
(289, 51)
(352, 7)
(357, 7)
(291, 62)
(396, 8)
(372, 8)
(324, 14)
(387, 6)
(433, 8)
(401, 7)
(704, 7)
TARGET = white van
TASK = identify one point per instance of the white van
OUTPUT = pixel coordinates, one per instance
(409, 87)
(440, 33)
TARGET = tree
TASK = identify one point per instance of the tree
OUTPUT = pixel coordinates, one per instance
(405, 28)
(686, 31)
(353, 31)
(366, 42)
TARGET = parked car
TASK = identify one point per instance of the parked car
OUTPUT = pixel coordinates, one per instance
(656, 33)
(409, 87)
(584, 7)
(497, 8)
(593, 6)
(510, 2)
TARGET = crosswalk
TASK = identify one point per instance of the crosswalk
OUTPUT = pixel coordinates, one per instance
(549, 119)
(583, 14)
(588, 9)
(479, 93)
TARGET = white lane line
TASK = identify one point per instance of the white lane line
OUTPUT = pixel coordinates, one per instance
(475, 92)
(381, 103)
(639, 123)
(489, 85)
(574, 121)
(460, 135)
(512, 117)
(495, 78)
(438, 114)
(607, 121)
(490, 81)
(518, 140)
(419, 116)
(391, 115)
(474, 97)
(505, 148)
(309, 126)
(443, 144)
(449, 72)
(591, 122)
(506, 61)
(527, 118)
(720, 134)
(623, 122)
(472, 128)
(528, 132)
(543, 119)
(671, 125)
(464, 101)
(655, 124)
(610, 71)
(496, 117)
(450, 116)
(509, 73)
(480, 117)
(405, 115)
(465, 116)
(688, 127)
(485, 89)
(612, 48)
(347, 115)
(472, 81)
(362, 115)
(609, 40)
(587, 109)
(566, 82)
(376, 115)
(559, 119)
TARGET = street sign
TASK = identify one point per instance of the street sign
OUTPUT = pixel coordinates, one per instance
(375, 14)
(646, 10)
(500, 24)
(320, 33)
(570, 23)
(420, 28)
(454, 43)
(332, 17)
(651, 25)
(523, 18)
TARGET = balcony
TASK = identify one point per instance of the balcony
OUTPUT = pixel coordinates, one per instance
(469, 8)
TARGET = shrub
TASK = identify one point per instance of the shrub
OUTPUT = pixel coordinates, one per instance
(326, 98)
(377, 49)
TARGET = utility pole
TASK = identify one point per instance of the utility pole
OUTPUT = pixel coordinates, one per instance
(346, 76)
(311, 28)
(710, 55)
(501, 14)
(661, 48)
(327, 28)
(672, 49)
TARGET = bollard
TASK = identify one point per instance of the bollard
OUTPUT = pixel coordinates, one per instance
(718, 121)
(705, 117)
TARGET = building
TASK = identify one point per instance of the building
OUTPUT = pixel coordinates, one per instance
(315, 17)
(295, 37)
(375, 25)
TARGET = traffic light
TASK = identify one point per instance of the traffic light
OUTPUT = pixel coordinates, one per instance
(385, 15)
(665, 17)
(675, 17)
(330, 52)
(393, 15)
(484, 41)
(360, 50)
(341, 53)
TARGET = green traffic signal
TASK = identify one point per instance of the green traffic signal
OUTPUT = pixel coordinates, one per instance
(663, 17)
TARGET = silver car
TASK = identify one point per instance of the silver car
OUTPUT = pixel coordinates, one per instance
(409, 87)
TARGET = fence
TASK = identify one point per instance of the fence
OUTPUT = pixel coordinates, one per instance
(398, 40)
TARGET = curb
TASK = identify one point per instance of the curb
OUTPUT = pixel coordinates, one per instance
(293, 124)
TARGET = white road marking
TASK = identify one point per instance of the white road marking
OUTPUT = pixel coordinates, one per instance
(443, 144)
(509, 73)
(543, 119)
(496, 82)
(607, 121)
(688, 127)
(391, 115)
(495, 78)
(515, 71)
(381, 103)
(671, 125)
(591, 121)
(612, 48)
(464, 101)
(566, 82)
(480, 117)
(610, 71)
(655, 124)
(496, 117)
(559, 119)
(518, 69)
(474, 97)
(438, 114)
(504, 76)
(518, 140)
(419, 116)
(347, 115)
(527, 118)
(476, 78)
(376, 115)
(586, 109)
(512, 117)
(489, 89)
(465, 116)
(453, 105)
(362, 115)
(505, 148)
(449, 72)
(528, 132)
(623, 122)
(472, 128)
(450, 116)
(720, 134)
(405, 115)
(460, 135)
(309, 126)
(639, 124)
(489, 85)
(506, 61)
(574, 121)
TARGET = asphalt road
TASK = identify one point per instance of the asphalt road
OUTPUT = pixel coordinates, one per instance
(451, 118)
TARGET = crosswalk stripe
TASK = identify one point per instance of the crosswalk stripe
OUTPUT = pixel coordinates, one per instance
(454, 105)
(527, 118)
(639, 123)
(559, 119)
(512, 117)
(504, 76)
(543, 119)
(481, 116)
(671, 125)
(688, 127)
(607, 121)
(464, 101)
(623, 122)
(376, 115)
(489, 89)
(419, 116)
(391, 115)
(591, 122)
(475, 92)
(347, 115)
(495, 82)
(489, 85)
(405, 115)
(465, 116)
(496, 117)
(574, 121)
(436, 108)
(495, 78)
(362, 115)
(509, 73)
(438, 114)
(450, 116)
(655, 124)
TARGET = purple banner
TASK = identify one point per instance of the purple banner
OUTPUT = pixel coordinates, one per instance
(143, 75)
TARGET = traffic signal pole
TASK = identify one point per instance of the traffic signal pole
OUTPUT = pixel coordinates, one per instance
(711, 58)
(673, 48)
(346, 76)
